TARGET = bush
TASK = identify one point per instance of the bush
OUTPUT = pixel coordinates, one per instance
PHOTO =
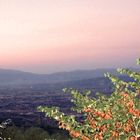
(105, 117)
(32, 133)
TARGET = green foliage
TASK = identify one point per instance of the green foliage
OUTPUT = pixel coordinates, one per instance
(113, 117)
(138, 61)
(32, 133)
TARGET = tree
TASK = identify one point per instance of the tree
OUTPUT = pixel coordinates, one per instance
(105, 117)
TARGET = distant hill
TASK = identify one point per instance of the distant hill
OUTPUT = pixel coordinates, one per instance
(100, 84)
(14, 77)
(80, 74)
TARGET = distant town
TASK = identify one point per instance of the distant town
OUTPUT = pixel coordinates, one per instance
(20, 104)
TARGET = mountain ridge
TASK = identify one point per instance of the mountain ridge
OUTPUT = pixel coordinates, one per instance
(16, 77)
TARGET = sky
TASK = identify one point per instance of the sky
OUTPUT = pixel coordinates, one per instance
(46, 36)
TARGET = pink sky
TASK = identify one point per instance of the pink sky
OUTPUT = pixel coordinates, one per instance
(46, 36)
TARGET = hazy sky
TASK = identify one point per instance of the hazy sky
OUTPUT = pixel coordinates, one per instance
(46, 36)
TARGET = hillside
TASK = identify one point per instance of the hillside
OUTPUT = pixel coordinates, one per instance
(14, 77)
